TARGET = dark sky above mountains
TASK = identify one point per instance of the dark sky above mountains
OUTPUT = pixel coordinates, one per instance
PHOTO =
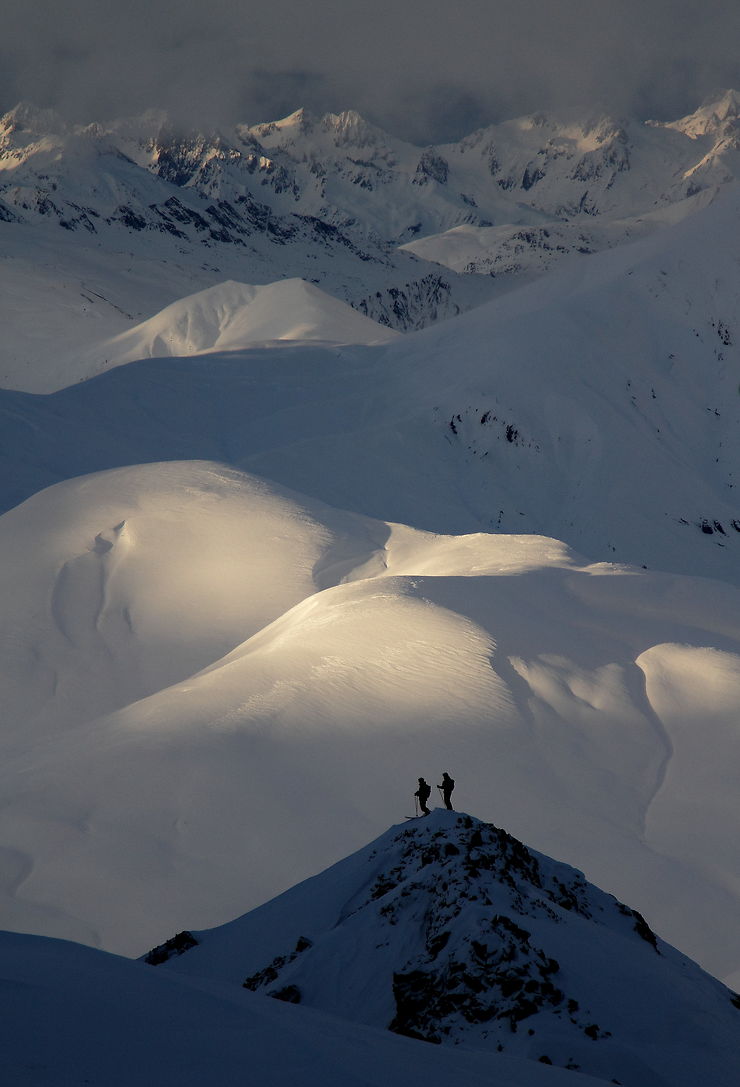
(428, 70)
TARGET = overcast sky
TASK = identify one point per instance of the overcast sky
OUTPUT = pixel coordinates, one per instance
(425, 69)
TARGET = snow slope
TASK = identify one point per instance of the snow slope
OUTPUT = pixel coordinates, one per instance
(91, 293)
(515, 250)
(598, 405)
(263, 663)
(72, 1015)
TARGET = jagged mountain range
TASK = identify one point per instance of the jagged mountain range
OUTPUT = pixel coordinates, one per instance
(351, 175)
(152, 213)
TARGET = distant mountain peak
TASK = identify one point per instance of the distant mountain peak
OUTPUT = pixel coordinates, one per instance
(716, 112)
(300, 122)
(351, 127)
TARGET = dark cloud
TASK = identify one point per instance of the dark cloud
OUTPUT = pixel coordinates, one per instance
(426, 69)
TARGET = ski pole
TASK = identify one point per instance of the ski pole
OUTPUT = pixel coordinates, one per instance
(416, 804)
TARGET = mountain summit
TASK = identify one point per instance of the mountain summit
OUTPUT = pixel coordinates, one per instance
(450, 930)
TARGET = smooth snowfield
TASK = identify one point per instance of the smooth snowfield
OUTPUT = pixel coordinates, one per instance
(70, 1014)
(275, 674)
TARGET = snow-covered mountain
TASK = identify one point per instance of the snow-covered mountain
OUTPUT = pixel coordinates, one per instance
(228, 317)
(449, 930)
(104, 226)
(346, 172)
(109, 223)
(263, 559)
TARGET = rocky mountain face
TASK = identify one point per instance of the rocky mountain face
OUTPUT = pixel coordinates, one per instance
(450, 930)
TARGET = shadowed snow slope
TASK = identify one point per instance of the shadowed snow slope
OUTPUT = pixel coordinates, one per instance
(212, 682)
(237, 315)
(70, 1015)
(450, 930)
(598, 406)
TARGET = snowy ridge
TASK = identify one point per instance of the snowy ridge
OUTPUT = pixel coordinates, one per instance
(449, 930)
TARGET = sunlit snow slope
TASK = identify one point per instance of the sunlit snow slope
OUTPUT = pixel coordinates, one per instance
(274, 674)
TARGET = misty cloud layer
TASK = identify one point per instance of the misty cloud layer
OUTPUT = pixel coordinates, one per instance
(425, 69)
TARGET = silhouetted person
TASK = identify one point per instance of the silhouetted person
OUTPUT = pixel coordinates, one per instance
(423, 794)
(446, 789)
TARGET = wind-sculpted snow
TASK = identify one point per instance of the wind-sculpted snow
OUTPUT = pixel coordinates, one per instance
(450, 930)
(228, 684)
(116, 586)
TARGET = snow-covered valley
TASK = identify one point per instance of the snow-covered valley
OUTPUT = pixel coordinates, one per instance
(298, 503)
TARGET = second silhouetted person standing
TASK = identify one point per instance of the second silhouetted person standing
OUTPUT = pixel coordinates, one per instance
(446, 789)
